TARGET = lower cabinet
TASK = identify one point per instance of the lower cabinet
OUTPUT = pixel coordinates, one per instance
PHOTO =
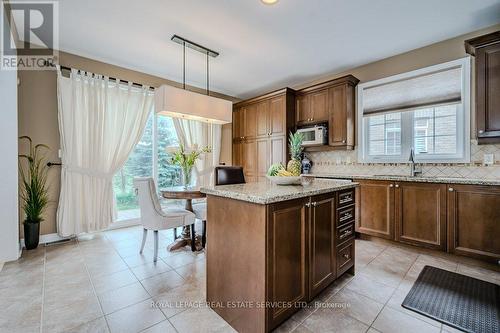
(420, 211)
(307, 249)
(322, 270)
(461, 219)
(474, 221)
(375, 209)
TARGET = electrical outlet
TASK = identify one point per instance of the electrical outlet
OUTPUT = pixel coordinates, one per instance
(488, 159)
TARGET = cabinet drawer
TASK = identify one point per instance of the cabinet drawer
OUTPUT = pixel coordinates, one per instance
(345, 215)
(345, 233)
(345, 198)
(345, 257)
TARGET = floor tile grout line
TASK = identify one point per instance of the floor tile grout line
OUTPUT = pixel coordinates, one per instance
(93, 288)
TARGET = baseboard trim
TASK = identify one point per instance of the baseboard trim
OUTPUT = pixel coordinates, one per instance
(47, 238)
(124, 224)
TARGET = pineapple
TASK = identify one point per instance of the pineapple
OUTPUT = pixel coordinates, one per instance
(295, 144)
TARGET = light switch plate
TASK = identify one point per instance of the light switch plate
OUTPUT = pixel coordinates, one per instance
(488, 159)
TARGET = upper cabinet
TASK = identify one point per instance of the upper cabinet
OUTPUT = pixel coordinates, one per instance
(330, 102)
(260, 127)
(486, 50)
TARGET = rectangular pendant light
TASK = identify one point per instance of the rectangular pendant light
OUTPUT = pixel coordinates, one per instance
(180, 103)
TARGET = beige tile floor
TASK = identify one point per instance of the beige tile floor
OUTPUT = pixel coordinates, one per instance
(99, 283)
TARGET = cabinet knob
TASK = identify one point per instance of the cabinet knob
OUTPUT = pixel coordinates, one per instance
(314, 204)
(450, 189)
(391, 185)
(397, 185)
(481, 131)
(308, 204)
(343, 141)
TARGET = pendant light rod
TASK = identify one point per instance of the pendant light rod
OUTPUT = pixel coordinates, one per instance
(208, 90)
(194, 46)
(183, 65)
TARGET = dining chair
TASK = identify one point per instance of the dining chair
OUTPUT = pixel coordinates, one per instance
(153, 217)
(224, 175)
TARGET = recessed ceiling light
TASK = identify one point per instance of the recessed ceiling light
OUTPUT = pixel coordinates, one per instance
(269, 2)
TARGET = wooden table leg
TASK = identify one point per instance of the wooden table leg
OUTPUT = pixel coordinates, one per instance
(185, 238)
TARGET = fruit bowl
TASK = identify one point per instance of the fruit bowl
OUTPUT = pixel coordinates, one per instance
(280, 180)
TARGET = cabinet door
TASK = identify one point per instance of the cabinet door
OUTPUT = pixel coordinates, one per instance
(302, 109)
(237, 124)
(286, 258)
(262, 119)
(421, 214)
(262, 156)
(319, 106)
(278, 150)
(277, 116)
(237, 153)
(474, 221)
(338, 116)
(322, 264)
(249, 121)
(375, 208)
(249, 159)
(488, 93)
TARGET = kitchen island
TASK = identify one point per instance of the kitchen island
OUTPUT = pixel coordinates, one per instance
(271, 249)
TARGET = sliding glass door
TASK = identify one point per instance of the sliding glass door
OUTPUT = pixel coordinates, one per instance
(148, 159)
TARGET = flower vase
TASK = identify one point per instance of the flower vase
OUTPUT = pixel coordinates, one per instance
(186, 176)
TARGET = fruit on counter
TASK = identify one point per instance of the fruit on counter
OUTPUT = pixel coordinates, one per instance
(294, 166)
(274, 169)
(285, 173)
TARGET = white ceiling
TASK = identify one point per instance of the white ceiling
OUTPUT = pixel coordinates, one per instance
(261, 47)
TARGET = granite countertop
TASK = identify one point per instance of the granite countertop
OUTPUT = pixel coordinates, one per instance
(265, 192)
(423, 179)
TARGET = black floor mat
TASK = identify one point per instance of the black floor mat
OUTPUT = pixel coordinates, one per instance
(468, 304)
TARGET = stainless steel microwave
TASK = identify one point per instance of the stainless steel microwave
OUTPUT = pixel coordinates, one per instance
(314, 136)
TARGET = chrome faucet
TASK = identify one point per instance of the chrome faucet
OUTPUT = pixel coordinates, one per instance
(415, 169)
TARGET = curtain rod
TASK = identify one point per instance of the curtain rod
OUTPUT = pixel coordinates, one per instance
(111, 78)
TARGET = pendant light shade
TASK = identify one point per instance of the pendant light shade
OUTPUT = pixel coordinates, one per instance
(180, 103)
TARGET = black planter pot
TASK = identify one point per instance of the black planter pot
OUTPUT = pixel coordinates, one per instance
(31, 235)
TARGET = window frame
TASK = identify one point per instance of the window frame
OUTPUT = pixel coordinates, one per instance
(407, 135)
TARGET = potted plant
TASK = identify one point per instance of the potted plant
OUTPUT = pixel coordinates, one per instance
(186, 158)
(34, 190)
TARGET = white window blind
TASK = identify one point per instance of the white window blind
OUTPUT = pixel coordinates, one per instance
(426, 110)
(440, 87)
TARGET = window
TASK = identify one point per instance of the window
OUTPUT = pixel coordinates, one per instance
(148, 159)
(426, 110)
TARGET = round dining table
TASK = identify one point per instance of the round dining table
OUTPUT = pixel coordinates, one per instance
(187, 194)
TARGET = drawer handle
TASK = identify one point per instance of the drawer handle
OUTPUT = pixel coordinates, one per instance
(346, 233)
(347, 198)
(346, 255)
(346, 216)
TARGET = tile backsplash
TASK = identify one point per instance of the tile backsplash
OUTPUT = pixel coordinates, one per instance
(345, 162)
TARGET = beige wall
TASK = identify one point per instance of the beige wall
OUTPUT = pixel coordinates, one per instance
(37, 114)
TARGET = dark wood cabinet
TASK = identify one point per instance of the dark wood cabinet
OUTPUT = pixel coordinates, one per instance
(474, 221)
(287, 243)
(342, 116)
(486, 50)
(461, 219)
(375, 208)
(331, 102)
(303, 110)
(260, 126)
(323, 263)
(420, 216)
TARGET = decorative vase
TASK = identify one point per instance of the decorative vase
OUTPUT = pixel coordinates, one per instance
(186, 176)
(31, 235)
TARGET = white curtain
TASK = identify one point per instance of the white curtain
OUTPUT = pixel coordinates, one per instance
(100, 122)
(191, 132)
